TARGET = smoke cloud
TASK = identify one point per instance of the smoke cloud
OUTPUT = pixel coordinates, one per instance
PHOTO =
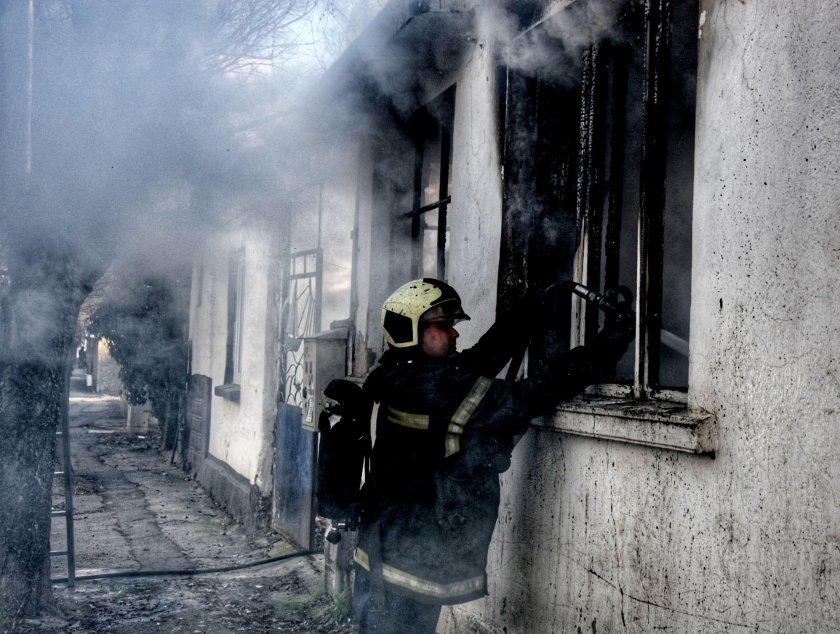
(145, 122)
(552, 48)
(147, 125)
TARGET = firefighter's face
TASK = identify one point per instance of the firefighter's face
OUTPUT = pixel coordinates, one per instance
(438, 339)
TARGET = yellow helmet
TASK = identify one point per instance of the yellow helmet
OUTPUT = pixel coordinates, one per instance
(403, 310)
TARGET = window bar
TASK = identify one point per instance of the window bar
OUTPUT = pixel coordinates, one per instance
(431, 206)
(445, 151)
(519, 193)
(615, 201)
(416, 224)
(316, 292)
(302, 258)
(590, 182)
(583, 239)
(652, 196)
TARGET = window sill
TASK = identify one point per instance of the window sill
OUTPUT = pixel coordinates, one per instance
(228, 391)
(654, 423)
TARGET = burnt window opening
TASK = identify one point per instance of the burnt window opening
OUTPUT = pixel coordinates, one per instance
(599, 179)
(430, 129)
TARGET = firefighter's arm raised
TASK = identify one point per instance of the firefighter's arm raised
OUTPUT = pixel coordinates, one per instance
(509, 406)
(508, 337)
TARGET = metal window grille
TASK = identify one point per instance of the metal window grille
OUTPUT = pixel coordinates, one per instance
(432, 131)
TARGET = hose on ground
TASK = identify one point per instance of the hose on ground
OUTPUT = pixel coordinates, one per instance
(188, 571)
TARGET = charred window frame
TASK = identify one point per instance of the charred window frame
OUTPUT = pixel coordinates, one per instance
(235, 313)
(430, 129)
(598, 181)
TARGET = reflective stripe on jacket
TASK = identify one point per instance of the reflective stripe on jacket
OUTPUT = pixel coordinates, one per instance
(453, 592)
(439, 427)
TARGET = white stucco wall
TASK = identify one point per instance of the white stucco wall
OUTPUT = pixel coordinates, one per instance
(241, 434)
(368, 332)
(765, 344)
(601, 536)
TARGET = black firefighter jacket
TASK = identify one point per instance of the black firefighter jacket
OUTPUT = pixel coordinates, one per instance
(444, 432)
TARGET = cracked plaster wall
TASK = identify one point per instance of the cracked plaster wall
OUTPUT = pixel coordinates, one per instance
(598, 536)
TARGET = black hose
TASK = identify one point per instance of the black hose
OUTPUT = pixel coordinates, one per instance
(187, 572)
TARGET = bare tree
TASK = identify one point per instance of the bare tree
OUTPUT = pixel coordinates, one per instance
(241, 33)
(233, 35)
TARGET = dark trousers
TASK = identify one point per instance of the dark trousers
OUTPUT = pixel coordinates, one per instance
(390, 613)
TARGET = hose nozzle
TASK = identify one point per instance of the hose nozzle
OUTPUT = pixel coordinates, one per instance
(614, 301)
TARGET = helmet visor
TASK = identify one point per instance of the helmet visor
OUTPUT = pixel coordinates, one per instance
(448, 311)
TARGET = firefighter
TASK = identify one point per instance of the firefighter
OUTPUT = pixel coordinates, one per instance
(445, 430)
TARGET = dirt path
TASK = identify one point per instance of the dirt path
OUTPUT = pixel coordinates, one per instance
(135, 513)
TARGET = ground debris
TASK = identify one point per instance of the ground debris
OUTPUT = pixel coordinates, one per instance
(214, 604)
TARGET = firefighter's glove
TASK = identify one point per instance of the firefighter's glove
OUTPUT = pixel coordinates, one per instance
(344, 398)
(618, 310)
(619, 328)
(611, 343)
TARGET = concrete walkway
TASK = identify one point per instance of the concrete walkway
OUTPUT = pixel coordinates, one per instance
(136, 513)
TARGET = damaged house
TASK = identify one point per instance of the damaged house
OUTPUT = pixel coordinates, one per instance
(686, 150)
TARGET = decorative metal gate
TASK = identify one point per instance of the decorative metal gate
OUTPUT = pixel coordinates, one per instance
(296, 448)
(302, 318)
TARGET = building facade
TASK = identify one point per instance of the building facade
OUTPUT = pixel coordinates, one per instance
(687, 150)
